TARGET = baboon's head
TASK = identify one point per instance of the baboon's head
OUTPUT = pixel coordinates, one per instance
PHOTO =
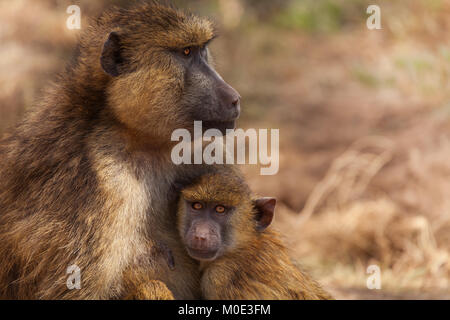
(218, 215)
(161, 77)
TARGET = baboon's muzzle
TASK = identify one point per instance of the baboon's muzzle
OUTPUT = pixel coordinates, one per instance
(228, 101)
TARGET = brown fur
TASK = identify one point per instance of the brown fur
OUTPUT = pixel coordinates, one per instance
(254, 265)
(87, 177)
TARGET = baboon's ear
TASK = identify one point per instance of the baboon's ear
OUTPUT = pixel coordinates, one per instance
(265, 208)
(112, 59)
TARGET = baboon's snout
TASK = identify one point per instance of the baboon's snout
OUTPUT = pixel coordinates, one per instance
(230, 100)
(203, 241)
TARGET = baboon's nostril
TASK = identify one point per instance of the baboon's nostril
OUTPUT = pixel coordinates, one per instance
(230, 97)
(200, 238)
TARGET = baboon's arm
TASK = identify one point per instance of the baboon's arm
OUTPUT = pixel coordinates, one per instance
(138, 283)
(151, 290)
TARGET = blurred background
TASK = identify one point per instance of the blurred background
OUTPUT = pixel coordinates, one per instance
(364, 119)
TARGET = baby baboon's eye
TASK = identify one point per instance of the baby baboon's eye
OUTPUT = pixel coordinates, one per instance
(187, 51)
(197, 206)
(220, 209)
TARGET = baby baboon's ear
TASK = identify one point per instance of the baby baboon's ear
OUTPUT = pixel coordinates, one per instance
(265, 208)
(112, 59)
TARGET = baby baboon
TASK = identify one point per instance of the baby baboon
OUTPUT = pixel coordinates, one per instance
(225, 229)
(87, 178)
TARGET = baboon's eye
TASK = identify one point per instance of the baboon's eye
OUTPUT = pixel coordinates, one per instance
(220, 209)
(197, 206)
(187, 51)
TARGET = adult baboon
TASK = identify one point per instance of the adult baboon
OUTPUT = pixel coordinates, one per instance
(86, 178)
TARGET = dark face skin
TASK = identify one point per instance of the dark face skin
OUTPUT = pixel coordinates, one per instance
(206, 229)
(208, 97)
(205, 95)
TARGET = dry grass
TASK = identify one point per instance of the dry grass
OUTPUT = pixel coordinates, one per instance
(350, 232)
(364, 122)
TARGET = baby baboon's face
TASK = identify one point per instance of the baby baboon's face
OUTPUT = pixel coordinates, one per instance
(218, 214)
(210, 229)
(206, 234)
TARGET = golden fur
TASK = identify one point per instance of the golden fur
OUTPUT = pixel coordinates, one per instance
(87, 176)
(255, 265)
